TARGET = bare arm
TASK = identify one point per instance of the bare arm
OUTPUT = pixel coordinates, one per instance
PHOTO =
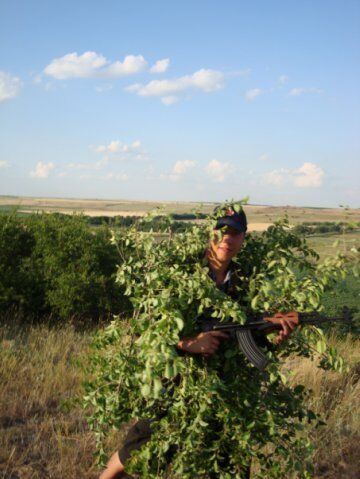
(204, 343)
(288, 322)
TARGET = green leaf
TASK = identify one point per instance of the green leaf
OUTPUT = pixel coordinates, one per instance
(180, 323)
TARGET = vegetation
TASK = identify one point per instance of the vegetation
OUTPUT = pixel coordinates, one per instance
(221, 405)
(44, 431)
(317, 227)
(156, 224)
(54, 264)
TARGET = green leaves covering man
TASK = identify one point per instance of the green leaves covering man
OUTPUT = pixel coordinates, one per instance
(202, 409)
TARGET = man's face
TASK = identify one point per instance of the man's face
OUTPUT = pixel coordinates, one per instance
(229, 245)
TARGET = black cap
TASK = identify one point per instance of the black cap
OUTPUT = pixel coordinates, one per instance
(234, 220)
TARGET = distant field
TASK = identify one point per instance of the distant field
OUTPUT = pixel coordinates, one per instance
(263, 215)
(324, 243)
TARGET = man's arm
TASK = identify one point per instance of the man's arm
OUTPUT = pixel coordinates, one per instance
(204, 343)
(288, 321)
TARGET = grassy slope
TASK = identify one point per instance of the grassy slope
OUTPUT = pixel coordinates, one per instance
(43, 436)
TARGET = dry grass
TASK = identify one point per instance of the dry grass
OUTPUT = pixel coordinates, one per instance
(337, 398)
(40, 437)
(43, 436)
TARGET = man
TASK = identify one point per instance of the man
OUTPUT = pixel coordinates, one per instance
(220, 252)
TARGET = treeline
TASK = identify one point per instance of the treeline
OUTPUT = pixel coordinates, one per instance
(55, 265)
(158, 223)
(316, 227)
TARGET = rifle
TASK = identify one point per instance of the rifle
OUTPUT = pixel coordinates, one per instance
(243, 333)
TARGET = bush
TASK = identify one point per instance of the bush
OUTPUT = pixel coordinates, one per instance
(316, 227)
(345, 294)
(55, 264)
(20, 281)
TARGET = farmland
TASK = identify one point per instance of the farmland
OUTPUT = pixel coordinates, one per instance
(257, 214)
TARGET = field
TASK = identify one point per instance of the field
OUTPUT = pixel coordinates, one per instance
(259, 217)
(327, 244)
(43, 432)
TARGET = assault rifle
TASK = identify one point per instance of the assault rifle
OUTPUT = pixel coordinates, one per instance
(243, 333)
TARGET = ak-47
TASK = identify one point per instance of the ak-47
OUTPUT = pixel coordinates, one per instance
(244, 332)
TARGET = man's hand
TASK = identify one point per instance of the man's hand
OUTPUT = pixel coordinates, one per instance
(288, 321)
(204, 343)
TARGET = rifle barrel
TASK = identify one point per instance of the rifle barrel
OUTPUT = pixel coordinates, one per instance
(318, 319)
(262, 324)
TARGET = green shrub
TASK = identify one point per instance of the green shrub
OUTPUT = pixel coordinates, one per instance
(54, 263)
(20, 281)
(316, 227)
(345, 293)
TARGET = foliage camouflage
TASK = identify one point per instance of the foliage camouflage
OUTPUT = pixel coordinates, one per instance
(209, 407)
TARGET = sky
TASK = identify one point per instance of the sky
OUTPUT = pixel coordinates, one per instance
(181, 100)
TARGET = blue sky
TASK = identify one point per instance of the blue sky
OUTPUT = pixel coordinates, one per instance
(191, 100)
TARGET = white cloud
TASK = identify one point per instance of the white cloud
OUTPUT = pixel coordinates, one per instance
(264, 157)
(134, 88)
(131, 64)
(87, 166)
(283, 79)
(218, 170)
(4, 164)
(252, 94)
(169, 100)
(301, 91)
(107, 177)
(277, 177)
(179, 170)
(204, 80)
(135, 145)
(10, 86)
(182, 167)
(115, 176)
(73, 65)
(308, 175)
(42, 170)
(160, 66)
(94, 65)
(116, 146)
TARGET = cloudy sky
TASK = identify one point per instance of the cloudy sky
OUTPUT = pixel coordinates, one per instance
(183, 100)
